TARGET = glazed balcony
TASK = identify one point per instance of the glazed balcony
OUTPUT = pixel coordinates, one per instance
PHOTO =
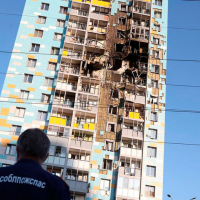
(141, 7)
(75, 40)
(72, 54)
(96, 43)
(77, 25)
(78, 12)
(69, 69)
(128, 171)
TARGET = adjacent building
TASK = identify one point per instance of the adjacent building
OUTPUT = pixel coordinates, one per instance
(92, 75)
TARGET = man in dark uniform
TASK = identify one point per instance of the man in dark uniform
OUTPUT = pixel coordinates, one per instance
(27, 180)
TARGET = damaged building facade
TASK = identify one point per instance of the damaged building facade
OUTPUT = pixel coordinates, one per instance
(92, 75)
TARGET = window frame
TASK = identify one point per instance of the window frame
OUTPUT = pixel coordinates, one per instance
(151, 135)
(15, 127)
(35, 47)
(47, 80)
(27, 79)
(41, 113)
(43, 18)
(10, 146)
(22, 92)
(107, 163)
(157, 2)
(104, 184)
(37, 33)
(53, 49)
(31, 60)
(156, 27)
(110, 109)
(60, 20)
(47, 101)
(55, 36)
(111, 123)
(44, 5)
(150, 171)
(19, 108)
(62, 9)
(50, 64)
(159, 40)
(149, 152)
(148, 193)
(156, 13)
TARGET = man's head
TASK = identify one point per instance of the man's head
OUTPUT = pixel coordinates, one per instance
(34, 144)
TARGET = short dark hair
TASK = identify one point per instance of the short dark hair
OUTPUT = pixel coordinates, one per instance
(34, 143)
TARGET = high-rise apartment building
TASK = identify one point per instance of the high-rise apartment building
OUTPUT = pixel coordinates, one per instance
(92, 75)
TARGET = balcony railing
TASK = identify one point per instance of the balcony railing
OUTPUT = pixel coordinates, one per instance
(97, 29)
(72, 54)
(86, 126)
(140, 10)
(77, 25)
(64, 102)
(136, 22)
(134, 115)
(72, 163)
(77, 40)
(81, 143)
(131, 152)
(82, 1)
(92, 89)
(95, 43)
(132, 133)
(79, 12)
(78, 186)
(86, 106)
(69, 69)
(66, 86)
(137, 98)
(129, 171)
(57, 160)
(63, 120)
(101, 3)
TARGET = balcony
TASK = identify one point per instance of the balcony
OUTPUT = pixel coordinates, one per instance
(138, 33)
(141, 7)
(140, 23)
(99, 16)
(77, 25)
(84, 143)
(77, 12)
(55, 132)
(73, 69)
(88, 106)
(130, 152)
(101, 3)
(66, 86)
(75, 40)
(81, 164)
(131, 133)
(82, 1)
(138, 97)
(61, 116)
(127, 171)
(72, 54)
(97, 29)
(96, 43)
(77, 186)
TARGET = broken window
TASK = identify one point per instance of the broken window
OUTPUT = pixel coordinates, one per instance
(154, 116)
(158, 2)
(158, 14)
(112, 110)
(115, 94)
(109, 146)
(107, 164)
(153, 100)
(123, 8)
(152, 134)
(110, 127)
(156, 41)
(156, 54)
(157, 27)
(155, 69)
(119, 47)
(121, 34)
(154, 83)
(122, 20)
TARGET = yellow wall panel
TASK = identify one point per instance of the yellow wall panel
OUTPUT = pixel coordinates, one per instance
(31, 56)
(11, 86)
(96, 187)
(53, 60)
(5, 111)
(13, 96)
(15, 138)
(38, 73)
(4, 142)
(93, 162)
(20, 101)
(30, 35)
(31, 89)
(97, 151)
(3, 123)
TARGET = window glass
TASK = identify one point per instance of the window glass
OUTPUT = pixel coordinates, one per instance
(52, 150)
